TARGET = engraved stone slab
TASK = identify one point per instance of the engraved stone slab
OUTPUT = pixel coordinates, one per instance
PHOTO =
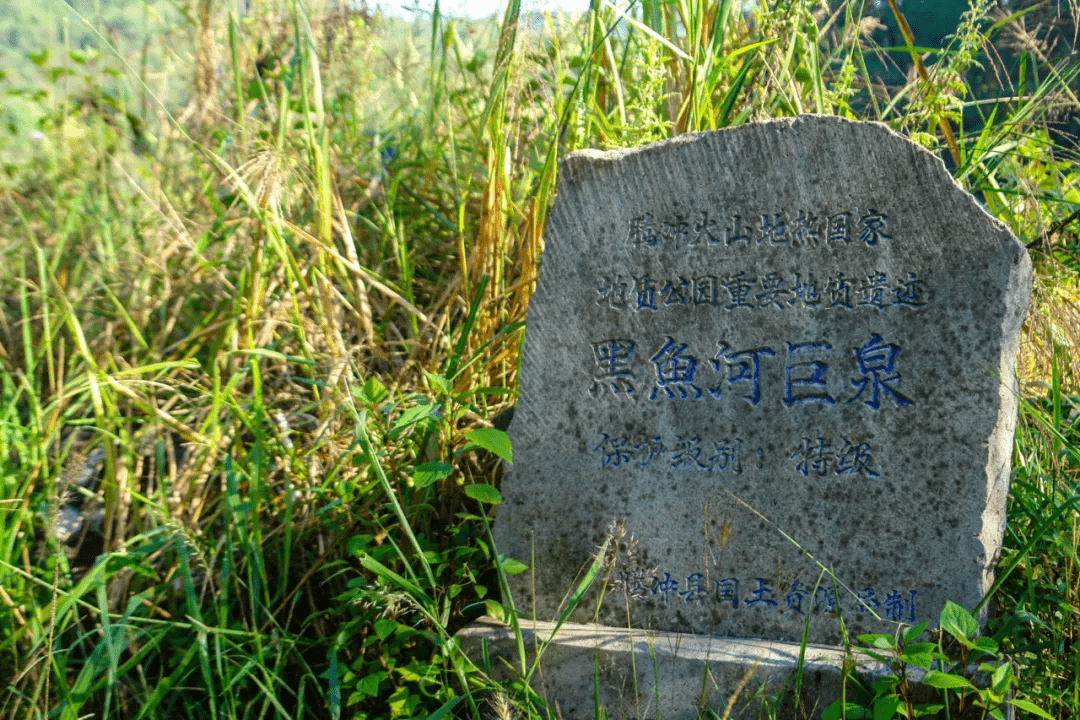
(780, 358)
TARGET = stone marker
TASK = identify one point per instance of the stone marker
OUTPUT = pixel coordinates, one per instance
(764, 353)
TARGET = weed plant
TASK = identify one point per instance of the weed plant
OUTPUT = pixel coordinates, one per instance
(253, 342)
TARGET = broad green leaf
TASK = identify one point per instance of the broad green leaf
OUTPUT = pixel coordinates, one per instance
(1030, 707)
(370, 685)
(511, 566)
(415, 414)
(913, 632)
(384, 628)
(493, 440)
(885, 684)
(431, 472)
(402, 702)
(414, 671)
(850, 711)
(986, 645)
(484, 493)
(881, 642)
(919, 654)
(958, 622)
(943, 681)
(372, 392)
(1000, 679)
(885, 707)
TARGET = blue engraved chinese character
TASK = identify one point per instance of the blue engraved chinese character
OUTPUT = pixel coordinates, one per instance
(678, 232)
(674, 371)
(806, 231)
(615, 291)
(830, 598)
(612, 358)
(613, 451)
(665, 586)
(743, 366)
(801, 377)
(805, 292)
(813, 456)
(634, 582)
(894, 607)
(738, 286)
(873, 292)
(727, 590)
(877, 360)
(840, 227)
(910, 293)
(772, 230)
(760, 595)
(795, 596)
(772, 288)
(647, 449)
(735, 233)
(725, 454)
(855, 459)
(676, 292)
(866, 600)
(646, 293)
(705, 231)
(872, 228)
(686, 455)
(839, 292)
(641, 231)
(706, 290)
(694, 591)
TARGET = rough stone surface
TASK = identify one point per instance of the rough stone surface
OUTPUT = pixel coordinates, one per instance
(779, 361)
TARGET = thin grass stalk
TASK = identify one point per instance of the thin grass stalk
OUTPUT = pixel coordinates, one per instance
(943, 122)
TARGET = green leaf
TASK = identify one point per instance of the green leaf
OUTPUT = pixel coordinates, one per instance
(511, 566)
(493, 440)
(414, 415)
(438, 381)
(370, 685)
(945, 681)
(849, 711)
(885, 708)
(39, 58)
(372, 393)
(919, 655)
(1030, 707)
(986, 645)
(431, 472)
(402, 702)
(1001, 677)
(885, 684)
(958, 622)
(484, 493)
(881, 642)
(413, 672)
(385, 628)
(913, 632)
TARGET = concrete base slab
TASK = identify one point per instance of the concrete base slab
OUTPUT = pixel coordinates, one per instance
(646, 674)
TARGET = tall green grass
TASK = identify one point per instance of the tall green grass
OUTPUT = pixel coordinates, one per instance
(284, 314)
